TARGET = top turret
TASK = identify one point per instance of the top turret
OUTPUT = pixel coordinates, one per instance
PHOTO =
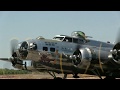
(78, 34)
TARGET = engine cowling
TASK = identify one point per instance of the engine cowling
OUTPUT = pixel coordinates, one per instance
(86, 57)
(82, 58)
(115, 53)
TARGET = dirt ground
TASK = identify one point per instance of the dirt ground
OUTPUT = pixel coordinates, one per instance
(44, 75)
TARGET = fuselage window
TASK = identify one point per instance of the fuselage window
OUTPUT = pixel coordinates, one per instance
(80, 41)
(45, 48)
(52, 49)
(75, 40)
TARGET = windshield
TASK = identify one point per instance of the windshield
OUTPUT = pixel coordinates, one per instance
(58, 38)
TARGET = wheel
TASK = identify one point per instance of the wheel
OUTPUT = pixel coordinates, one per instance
(58, 78)
(75, 75)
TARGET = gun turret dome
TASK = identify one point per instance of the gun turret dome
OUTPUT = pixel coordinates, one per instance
(40, 37)
(78, 34)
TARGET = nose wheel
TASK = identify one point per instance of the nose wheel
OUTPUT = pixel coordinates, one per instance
(25, 65)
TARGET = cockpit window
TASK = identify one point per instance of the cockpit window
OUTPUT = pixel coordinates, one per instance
(58, 38)
(67, 39)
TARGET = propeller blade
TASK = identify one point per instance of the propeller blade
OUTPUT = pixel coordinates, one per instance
(13, 45)
(87, 66)
(99, 58)
(7, 65)
(6, 59)
(118, 36)
(28, 38)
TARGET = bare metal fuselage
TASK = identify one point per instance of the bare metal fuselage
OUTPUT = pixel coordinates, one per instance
(55, 56)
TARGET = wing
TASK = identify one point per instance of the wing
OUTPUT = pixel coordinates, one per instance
(6, 59)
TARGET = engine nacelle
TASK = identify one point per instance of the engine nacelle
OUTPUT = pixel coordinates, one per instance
(115, 53)
(82, 58)
(86, 57)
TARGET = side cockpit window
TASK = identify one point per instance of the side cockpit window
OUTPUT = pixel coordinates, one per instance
(67, 39)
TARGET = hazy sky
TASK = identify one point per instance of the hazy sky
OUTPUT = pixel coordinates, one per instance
(101, 25)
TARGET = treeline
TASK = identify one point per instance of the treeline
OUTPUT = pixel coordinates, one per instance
(12, 71)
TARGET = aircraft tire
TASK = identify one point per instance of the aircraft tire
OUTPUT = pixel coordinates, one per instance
(58, 78)
(75, 75)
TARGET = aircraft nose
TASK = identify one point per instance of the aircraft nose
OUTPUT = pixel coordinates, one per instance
(24, 45)
(23, 50)
(33, 46)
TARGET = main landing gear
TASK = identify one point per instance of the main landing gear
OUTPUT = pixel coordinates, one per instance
(109, 75)
(96, 72)
(54, 76)
(75, 75)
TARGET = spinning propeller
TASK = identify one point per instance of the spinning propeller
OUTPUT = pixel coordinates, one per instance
(118, 37)
(13, 46)
(14, 58)
(81, 55)
(100, 59)
(116, 49)
(115, 52)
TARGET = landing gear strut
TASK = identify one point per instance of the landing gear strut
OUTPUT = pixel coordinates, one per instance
(25, 65)
(109, 75)
(54, 76)
(96, 72)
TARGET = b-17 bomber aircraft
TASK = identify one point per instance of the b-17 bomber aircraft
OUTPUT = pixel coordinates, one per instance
(68, 54)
